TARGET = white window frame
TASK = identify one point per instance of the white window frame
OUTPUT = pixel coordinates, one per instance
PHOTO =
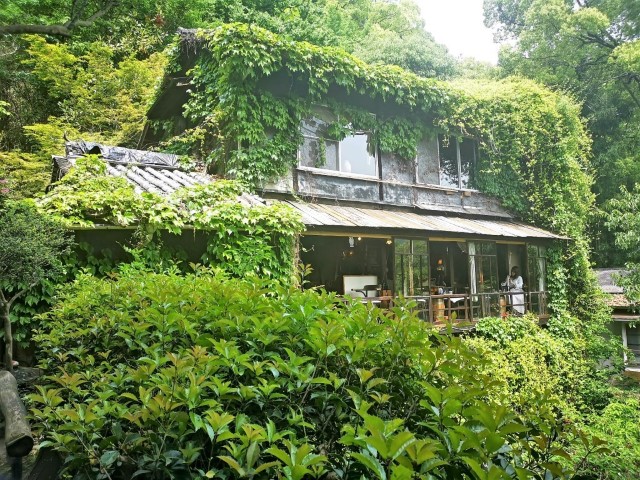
(636, 366)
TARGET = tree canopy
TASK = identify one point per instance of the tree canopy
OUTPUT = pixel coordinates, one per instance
(590, 49)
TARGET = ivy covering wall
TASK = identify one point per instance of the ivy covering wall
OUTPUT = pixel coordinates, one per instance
(251, 89)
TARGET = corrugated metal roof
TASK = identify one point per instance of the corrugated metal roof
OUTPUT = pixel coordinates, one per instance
(607, 279)
(152, 172)
(319, 215)
(464, 209)
(157, 180)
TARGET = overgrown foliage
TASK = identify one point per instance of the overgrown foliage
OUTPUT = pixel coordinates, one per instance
(31, 249)
(201, 375)
(590, 49)
(537, 362)
(624, 222)
(94, 53)
(229, 109)
(618, 422)
(26, 174)
(241, 238)
(555, 363)
(97, 93)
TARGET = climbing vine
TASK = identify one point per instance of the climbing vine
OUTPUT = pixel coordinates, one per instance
(241, 238)
(229, 99)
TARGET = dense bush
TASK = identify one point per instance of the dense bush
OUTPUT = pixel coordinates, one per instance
(619, 423)
(533, 361)
(169, 376)
(556, 363)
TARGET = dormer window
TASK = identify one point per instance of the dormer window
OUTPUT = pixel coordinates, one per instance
(457, 158)
(354, 154)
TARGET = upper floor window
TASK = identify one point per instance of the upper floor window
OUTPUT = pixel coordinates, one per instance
(355, 154)
(457, 158)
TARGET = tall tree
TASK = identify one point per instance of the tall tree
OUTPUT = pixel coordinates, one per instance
(590, 48)
(395, 34)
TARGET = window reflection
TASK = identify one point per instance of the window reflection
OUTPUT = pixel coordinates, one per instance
(449, 163)
(353, 154)
(467, 159)
(457, 158)
(411, 267)
(357, 156)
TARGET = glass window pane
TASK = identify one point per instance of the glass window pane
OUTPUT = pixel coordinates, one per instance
(316, 151)
(448, 162)
(404, 275)
(411, 267)
(331, 155)
(487, 248)
(633, 341)
(356, 155)
(484, 266)
(421, 274)
(537, 268)
(402, 245)
(467, 157)
(420, 247)
(312, 153)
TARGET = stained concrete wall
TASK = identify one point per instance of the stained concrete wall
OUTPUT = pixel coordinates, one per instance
(427, 161)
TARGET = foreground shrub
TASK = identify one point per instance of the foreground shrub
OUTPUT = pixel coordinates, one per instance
(620, 424)
(168, 376)
(553, 363)
(534, 363)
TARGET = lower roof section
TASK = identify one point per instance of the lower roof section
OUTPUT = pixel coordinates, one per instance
(319, 217)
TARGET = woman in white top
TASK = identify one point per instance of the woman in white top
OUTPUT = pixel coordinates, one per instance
(514, 283)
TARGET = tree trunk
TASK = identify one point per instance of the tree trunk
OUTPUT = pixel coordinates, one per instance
(8, 337)
(41, 29)
(17, 433)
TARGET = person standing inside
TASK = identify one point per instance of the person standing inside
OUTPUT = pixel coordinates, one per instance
(514, 283)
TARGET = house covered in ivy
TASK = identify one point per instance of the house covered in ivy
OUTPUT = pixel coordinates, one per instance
(406, 185)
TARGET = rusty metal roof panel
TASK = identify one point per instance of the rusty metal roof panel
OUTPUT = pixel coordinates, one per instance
(312, 216)
(520, 230)
(451, 225)
(464, 209)
(483, 227)
(320, 215)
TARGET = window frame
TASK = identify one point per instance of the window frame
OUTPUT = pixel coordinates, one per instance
(424, 266)
(484, 301)
(339, 153)
(634, 365)
(474, 161)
